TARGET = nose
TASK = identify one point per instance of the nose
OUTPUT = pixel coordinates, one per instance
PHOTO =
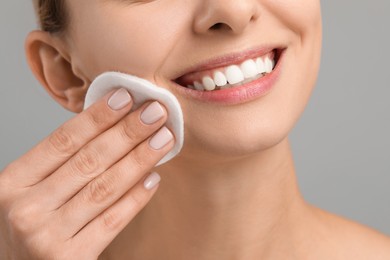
(232, 16)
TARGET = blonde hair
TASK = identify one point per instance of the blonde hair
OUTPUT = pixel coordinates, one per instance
(52, 15)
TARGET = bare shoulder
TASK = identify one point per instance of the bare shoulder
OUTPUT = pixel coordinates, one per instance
(351, 240)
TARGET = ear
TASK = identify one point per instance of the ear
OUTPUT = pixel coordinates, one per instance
(48, 58)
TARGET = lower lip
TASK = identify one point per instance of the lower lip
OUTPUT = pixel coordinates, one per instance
(237, 95)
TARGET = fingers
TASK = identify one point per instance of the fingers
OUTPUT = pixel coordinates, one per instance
(108, 187)
(101, 153)
(81, 170)
(63, 143)
(100, 232)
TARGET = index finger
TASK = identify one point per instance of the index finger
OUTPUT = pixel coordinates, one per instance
(69, 138)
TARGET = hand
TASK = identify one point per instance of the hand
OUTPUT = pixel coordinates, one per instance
(72, 194)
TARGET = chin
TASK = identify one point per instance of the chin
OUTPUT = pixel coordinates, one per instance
(234, 143)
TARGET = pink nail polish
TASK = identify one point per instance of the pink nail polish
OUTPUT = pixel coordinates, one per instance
(162, 138)
(119, 99)
(152, 180)
(152, 113)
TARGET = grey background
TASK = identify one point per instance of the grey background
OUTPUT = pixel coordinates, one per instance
(341, 144)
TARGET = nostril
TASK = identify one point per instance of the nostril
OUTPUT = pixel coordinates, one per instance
(218, 26)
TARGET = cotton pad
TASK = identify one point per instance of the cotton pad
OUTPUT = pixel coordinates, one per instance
(141, 90)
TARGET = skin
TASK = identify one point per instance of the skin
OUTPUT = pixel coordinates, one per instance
(231, 193)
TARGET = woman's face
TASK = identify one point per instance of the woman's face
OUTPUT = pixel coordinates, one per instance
(161, 40)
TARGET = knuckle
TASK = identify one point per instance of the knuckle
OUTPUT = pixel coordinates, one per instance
(99, 190)
(137, 199)
(19, 219)
(138, 160)
(61, 141)
(86, 161)
(97, 119)
(127, 133)
(111, 221)
(142, 158)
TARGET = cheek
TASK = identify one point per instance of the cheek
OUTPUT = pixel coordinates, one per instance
(119, 38)
(300, 15)
(303, 19)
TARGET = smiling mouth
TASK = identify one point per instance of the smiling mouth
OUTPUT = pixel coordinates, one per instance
(231, 75)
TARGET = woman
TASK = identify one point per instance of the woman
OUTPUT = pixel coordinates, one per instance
(232, 191)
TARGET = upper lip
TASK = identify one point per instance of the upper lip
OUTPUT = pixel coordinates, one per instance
(229, 59)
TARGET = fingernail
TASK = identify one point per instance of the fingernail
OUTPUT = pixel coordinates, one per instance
(152, 180)
(119, 99)
(152, 113)
(162, 138)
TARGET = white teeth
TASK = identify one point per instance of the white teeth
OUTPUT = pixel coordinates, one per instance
(268, 65)
(208, 83)
(260, 65)
(220, 79)
(234, 74)
(198, 86)
(249, 69)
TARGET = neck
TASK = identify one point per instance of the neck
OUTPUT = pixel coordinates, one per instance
(245, 209)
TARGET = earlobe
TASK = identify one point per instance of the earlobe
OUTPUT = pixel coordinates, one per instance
(51, 65)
